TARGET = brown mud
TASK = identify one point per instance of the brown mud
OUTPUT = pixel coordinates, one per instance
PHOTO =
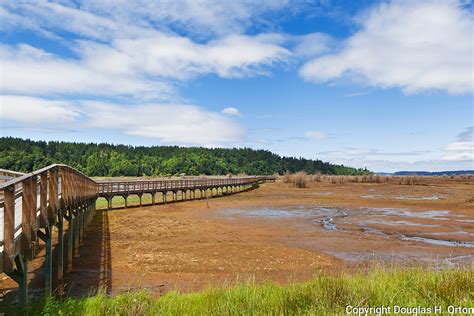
(276, 232)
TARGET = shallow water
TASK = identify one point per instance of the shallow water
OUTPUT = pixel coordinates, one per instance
(438, 242)
(403, 229)
(277, 213)
(420, 198)
(328, 224)
(321, 215)
(372, 196)
(405, 198)
(404, 212)
(396, 223)
(364, 218)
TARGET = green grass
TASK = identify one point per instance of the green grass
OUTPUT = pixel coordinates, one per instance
(133, 199)
(321, 296)
(118, 201)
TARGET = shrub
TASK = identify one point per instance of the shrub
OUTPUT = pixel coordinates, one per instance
(286, 178)
(300, 179)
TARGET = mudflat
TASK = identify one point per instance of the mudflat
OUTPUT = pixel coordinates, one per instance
(276, 232)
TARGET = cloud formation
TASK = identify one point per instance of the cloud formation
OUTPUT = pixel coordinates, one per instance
(34, 110)
(170, 123)
(136, 55)
(128, 48)
(182, 124)
(134, 67)
(462, 149)
(31, 71)
(127, 52)
(111, 19)
(231, 111)
(179, 57)
(412, 45)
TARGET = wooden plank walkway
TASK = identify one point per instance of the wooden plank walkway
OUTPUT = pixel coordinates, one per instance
(33, 204)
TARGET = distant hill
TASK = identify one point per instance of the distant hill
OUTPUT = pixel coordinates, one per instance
(428, 173)
(25, 155)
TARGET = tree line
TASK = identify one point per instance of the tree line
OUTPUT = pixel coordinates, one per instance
(103, 159)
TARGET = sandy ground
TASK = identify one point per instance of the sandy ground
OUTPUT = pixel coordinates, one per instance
(276, 233)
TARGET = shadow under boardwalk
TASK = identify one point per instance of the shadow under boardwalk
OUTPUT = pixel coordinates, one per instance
(91, 272)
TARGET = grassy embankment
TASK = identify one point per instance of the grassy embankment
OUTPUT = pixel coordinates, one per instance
(118, 201)
(134, 200)
(322, 295)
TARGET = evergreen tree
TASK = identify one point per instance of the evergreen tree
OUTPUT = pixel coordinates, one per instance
(119, 160)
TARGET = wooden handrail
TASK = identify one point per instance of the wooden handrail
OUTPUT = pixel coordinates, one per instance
(32, 203)
(47, 192)
(42, 194)
(105, 187)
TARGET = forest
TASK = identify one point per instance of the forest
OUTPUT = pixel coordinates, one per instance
(103, 159)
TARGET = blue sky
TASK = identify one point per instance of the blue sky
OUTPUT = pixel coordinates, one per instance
(384, 85)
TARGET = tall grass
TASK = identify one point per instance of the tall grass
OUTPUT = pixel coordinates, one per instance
(296, 178)
(300, 179)
(324, 295)
(287, 177)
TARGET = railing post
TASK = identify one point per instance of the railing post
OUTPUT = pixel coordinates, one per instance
(41, 209)
(76, 230)
(26, 214)
(53, 194)
(60, 246)
(48, 262)
(43, 198)
(69, 239)
(21, 276)
(8, 227)
(81, 219)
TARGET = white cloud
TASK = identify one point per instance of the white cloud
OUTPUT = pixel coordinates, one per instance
(106, 20)
(413, 45)
(139, 68)
(462, 149)
(460, 156)
(35, 110)
(129, 50)
(126, 48)
(180, 58)
(377, 160)
(48, 17)
(311, 45)
(231, 111)
(175, 124)
(460, 146)
(315, 134)
(198, 16)
(32, 71)
(183, 124)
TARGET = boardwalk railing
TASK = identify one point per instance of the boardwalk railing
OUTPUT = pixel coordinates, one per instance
(31, 205)
(6, 175)
(115, 187)
(187, 186)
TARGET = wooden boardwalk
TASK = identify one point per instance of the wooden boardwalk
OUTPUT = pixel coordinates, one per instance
(33, 204)
(206, 186)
